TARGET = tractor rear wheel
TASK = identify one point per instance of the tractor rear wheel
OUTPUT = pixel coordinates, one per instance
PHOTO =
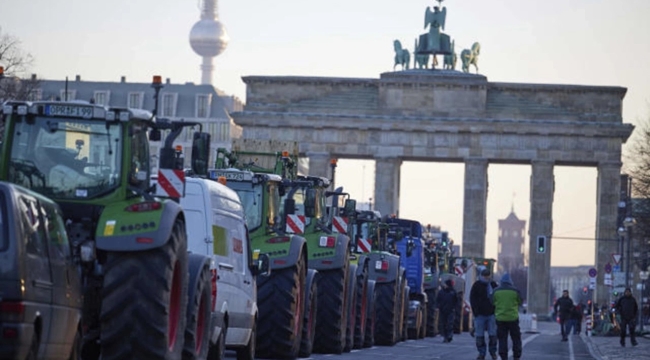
(386, 313)
(311, 307)
(280, 300)
(362, 309)
(332, 314)
(199, 314)
(351, 308)
(371, 318)
(145, 297)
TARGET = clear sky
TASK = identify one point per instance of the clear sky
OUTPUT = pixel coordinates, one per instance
(587, 42)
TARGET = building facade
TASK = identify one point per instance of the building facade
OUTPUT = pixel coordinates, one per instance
(189, 102)
(512, 238)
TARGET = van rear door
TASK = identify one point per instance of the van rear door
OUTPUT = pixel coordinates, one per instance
(195, 205)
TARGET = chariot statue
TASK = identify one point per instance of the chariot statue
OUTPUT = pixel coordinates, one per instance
(421, 60)
(434, 42)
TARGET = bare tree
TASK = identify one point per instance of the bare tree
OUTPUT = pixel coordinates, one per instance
(15, 62)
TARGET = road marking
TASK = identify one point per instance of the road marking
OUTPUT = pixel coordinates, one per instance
(523, 343)
(571, 356)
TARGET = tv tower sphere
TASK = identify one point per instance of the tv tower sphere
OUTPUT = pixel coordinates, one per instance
(208, 38)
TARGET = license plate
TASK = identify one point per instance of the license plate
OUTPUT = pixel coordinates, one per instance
(69, 110)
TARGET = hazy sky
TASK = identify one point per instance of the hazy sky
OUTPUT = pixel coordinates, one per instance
(587, 42)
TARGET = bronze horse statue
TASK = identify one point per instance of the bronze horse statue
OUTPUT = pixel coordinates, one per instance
(470, 57)
(402, 56)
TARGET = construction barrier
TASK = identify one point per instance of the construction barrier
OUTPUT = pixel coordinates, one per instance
(528, 323)
(588, 325)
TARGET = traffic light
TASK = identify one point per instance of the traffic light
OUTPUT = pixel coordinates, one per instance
(541, 244)
(444, 238)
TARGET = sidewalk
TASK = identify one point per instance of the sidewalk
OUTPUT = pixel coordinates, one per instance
(609, 347)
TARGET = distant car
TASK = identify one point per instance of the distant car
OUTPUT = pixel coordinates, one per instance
(40, 288)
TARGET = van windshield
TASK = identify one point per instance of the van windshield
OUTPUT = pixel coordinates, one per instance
(252, 200)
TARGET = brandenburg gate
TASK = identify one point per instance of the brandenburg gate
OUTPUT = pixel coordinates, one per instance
(452, 116)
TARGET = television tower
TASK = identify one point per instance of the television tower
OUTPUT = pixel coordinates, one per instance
(208, 38)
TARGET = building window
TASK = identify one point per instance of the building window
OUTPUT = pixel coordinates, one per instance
(169, 104)
(203, 105)
(101, 97)
(135, 100)
(35, 95)
(70, 95)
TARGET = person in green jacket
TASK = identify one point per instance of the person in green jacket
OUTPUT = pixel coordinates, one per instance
(507, 300)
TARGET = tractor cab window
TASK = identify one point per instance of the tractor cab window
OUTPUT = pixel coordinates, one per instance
(139, 171)
(66, 158)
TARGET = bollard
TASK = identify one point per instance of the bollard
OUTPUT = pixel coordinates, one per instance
(588, 326)
(533, 324)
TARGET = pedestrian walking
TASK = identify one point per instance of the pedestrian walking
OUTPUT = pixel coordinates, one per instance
(576, 319)
(507, 300)
(480, 297)
(564, 306)
(628, 309)
(447, 302)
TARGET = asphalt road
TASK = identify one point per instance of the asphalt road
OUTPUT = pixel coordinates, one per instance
(545, 345)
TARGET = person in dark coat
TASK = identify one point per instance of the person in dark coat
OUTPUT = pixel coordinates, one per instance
(564, 306)
(480, 297)
(447, 301)
(628, 309)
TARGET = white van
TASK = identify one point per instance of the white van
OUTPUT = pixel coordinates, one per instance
(216, 226)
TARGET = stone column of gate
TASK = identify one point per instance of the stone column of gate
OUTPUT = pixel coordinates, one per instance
(319, 164)
(542, 187)
(475, 207)
(387, 179)
(609, 179)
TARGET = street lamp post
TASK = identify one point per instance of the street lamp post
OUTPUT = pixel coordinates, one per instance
(628, 223)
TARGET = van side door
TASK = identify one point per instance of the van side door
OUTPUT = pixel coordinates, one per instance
(66, 300)
(39, 285)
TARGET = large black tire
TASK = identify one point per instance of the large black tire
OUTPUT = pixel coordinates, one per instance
(248, 352)
(386, 313)
(280, 299)
(197, 328)
(331, 316)
(431, 313)
(352, 308)
(218, 350)
(405, 311)
(369, 338)
(422, 332)
(362, 308)
(311, 307)
(145, 297)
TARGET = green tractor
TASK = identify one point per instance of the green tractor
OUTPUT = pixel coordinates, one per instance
(130, 245)
(385, 324)
(287, 298)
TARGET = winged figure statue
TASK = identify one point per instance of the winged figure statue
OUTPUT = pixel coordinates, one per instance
(434, 42)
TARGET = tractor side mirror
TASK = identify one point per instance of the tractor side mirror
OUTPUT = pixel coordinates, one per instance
(200, 153)
(289, 207)
(155, 135)
(350, 207)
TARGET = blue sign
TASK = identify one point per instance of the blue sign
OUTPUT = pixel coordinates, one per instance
(593, 272)
(608, 268)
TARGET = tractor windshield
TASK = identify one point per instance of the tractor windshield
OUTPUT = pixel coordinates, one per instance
(66, 158)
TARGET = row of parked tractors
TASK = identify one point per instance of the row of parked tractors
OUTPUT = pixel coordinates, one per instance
(339, 278)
